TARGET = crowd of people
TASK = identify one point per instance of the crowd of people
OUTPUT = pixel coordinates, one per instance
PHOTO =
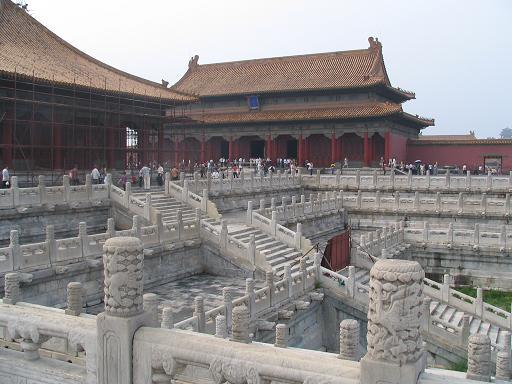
(262, 167)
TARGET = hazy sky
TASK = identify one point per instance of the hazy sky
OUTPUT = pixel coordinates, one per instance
(456, 55)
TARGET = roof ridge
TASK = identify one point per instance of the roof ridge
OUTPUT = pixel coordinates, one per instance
(364, 51)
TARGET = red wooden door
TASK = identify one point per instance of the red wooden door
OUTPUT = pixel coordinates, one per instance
(337, 252)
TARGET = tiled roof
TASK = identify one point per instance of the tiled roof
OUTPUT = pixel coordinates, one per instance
(334, 113)
(473, 141)
(470, 136)
(334, 70)
(30, 49)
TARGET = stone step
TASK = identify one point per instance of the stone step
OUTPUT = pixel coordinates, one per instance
(484, 328)
(269, 250)
(474, 325)
(237, 233)
(493, 333)
(457, 318)
(440, 309)
(447, 312)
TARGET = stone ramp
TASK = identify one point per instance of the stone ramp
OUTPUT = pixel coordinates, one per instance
(448, 313)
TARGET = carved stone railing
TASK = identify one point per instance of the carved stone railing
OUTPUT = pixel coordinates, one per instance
(53, 251)
(242, 184)
(43, 331)
(434, 204)
(16, 197)
(391, 181)
(186, 196)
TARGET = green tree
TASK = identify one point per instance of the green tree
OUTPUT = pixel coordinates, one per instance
(506, 133)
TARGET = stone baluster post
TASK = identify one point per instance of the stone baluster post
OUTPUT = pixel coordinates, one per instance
(136, 226)
(14, 246)
(338, 177)
(374, 179)
(220, 323)
(503, 238)
(199, 312)
(15, 191)
(303, 271)
(167, 318)
(82, 236)
(358, 179)
(288, 277)
(506, 347)
(298, 236)
(349, 340)
(489, 181)
(248, 219)
(468, 180)
(394, 321)
(281, 336)
(249, 291)
(397, 201)
(251, 249)
(240, 318)
(111, 227)
(447, 180)
(42, 189)
(507, 205)
(460, 203)
(476, 235)
(252, 181)
(318, 177)
(479, 303)
(273, 223)
(426, 313)
(209, 181)
(302, 199)
(75, 293)
(127, 194)
(147, 207)
(51, 244)
(167, 180)
(317, 263)
(272, 203)
(479, 357)
(503, 366)
(416, 203)
(204, 201)
(449, 233)
(427, 179)
(409, 178)
(227, 297)
(465, 330)
(223, 234)
(123, 262)
(262, 206)
(445, 289)
(392, 178)
(150, 305)
(66, 185)
(269, 280)
(377, 201)
(160, 226)
(359, 199)
(184, 192)
(294, 206)
(11, 288)
(438, 202)
(88, 186)
(483, 204)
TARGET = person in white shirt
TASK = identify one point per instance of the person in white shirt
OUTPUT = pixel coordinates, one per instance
(146, 176)
(160, 177)
(5, 177)
(95, 175)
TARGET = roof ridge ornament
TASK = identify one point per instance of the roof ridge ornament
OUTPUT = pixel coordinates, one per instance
(192, 64)
(375, 43)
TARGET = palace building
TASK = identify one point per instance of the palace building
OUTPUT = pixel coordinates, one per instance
(60, 107)
(318, 107)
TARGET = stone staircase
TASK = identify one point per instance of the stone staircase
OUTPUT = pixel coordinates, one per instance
(277, 253)
(447, 313)
(168, 206)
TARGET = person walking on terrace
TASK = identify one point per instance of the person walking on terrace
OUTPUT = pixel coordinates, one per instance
(5, 178)
(146, 175)
(95, 175)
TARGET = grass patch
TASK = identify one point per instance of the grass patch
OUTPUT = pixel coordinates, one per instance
(461, 366)
(499, 299)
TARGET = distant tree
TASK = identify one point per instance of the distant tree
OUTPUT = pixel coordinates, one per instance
(506, 133)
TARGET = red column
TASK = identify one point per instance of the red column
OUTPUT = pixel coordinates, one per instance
(160, 148)
(230, 151)
(269, 147)
(237, 149)
(333, 148)
(57, 147)
(203, 149)
(176, 151)
(366, 150)
(301, 151)
(387, 146)
(339, 154)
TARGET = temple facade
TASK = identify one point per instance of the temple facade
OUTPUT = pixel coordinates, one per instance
(60, 107)
(319, 107)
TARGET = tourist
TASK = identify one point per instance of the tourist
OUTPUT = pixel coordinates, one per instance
(5, 177)
(345, 163)
(95, 175)
(123, 180)
(160, 175)
(333, 168)
(310, 168)
(175, 173)
(73, 176)
(146, 175)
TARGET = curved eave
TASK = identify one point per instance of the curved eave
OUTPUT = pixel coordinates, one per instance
(463, 142)
(175, 98)
(417, 120)
(397, 94)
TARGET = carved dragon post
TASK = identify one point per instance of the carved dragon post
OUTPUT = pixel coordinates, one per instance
(395, 347)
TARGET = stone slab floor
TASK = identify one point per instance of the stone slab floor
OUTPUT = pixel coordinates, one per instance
(180, 294)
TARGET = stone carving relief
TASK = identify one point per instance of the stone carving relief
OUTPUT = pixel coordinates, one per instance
(395, 309)
(162, 361)
(479, 357)
(233, 372)
(123, 265)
